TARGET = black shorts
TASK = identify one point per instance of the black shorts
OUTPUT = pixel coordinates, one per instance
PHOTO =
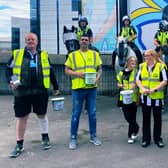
(33, 103)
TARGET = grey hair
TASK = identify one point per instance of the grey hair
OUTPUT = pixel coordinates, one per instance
(128, 58)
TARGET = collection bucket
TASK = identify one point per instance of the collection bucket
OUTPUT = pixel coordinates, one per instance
(127, 96)
(58, 103)
(90, 78)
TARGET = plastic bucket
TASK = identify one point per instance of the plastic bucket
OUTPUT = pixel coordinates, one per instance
(127, 96)
(58, 103)
(90, 78)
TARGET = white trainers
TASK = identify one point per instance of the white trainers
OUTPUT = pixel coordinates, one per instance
(95, 141)
(134, 136)
(73, 144)
(130, 141)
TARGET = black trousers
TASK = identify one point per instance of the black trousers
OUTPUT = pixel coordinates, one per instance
(146, 123)
(129, 112)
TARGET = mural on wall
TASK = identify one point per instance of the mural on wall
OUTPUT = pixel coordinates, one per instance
(102, 20)
(146, 17)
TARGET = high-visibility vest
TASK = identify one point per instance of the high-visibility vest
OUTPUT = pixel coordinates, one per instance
(80, 32)
(150, 80)
(82, 64)
(162, 38)
(18, 58)
(127, 83)
(127, 32)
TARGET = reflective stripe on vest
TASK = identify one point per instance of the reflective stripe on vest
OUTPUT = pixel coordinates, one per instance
(80, 65)
(18, 58)
(152, 79)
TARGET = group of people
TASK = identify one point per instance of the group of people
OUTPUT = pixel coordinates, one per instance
(30, 74)
(148, 80)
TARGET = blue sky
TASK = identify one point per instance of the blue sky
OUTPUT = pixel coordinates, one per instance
(8, 9)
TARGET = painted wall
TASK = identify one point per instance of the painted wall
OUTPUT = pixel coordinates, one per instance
(102, 20)
(146, 15)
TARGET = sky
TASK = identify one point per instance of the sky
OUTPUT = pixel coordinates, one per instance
(12, 8)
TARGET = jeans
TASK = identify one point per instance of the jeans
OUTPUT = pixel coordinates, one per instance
(78, 97)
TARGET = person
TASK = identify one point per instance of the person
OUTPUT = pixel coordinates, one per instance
(161, 40)
(82, 29)
(78, 63)
(29, 73)
(126, 81)
(129, 32)
(151, 79)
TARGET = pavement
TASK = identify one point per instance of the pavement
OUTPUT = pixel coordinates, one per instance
(114, 152)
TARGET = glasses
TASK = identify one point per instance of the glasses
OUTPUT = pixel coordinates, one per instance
(84, 40)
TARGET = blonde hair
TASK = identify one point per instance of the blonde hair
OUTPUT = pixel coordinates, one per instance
(127, 60)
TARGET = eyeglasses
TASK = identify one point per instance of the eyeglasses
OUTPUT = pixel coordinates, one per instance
(84, 40)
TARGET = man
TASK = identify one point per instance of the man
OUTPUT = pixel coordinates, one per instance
(77, 64)
(151, 79)
(29, 74)
(129, 32)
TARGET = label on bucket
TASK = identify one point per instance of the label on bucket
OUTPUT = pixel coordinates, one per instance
(90, 78)
(127, 96)
(58, 103)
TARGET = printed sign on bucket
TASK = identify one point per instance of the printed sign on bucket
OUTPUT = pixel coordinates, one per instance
(58, 103)
(127, 96)
(90, 78)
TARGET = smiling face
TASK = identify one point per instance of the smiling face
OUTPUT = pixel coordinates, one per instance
(31, 41)
(131, 62)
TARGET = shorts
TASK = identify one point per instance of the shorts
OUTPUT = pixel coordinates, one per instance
(32, 103)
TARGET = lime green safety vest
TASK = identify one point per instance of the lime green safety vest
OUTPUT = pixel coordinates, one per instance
(82, 64)
(162, 37)
(152, 79)
(18, 58)
(127, 83)
(127, 32)
(80, 32)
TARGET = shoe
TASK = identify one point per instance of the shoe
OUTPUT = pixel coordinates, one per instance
(145, 144)
(95, 141)
(46, 143)
(130, 141)
(73, 144)
(134, 136)
(160, 144)
(17, 151)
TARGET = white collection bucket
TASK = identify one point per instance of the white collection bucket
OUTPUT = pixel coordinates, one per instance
(90, 78)
(58, 103)
(127, 96)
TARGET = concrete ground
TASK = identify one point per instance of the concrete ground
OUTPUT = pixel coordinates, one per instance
(114, 152)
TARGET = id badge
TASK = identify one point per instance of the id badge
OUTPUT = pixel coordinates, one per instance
(32, 64)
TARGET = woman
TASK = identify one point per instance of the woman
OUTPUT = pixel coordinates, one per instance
(126, 81)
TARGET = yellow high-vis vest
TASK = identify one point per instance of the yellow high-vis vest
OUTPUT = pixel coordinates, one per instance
(150, 80)
(79, 63)
(127, 83)
(18, 58)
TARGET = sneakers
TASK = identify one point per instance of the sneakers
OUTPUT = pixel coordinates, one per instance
(73, 144)
(95, 141)
(17, 151)
(46, 144)
(134, 136)
(130, 141)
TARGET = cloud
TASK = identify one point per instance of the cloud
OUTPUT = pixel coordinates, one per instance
(12, 8)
